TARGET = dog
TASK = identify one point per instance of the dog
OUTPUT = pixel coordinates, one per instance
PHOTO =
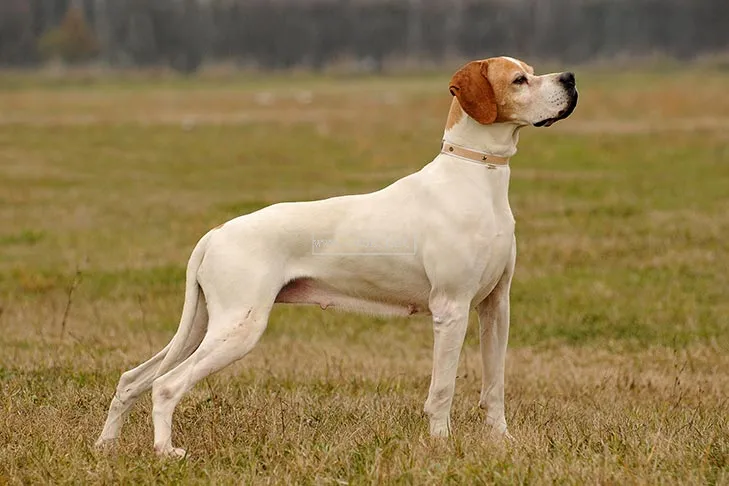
(439, 242)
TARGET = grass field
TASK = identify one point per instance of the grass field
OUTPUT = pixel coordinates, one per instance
(618, 368)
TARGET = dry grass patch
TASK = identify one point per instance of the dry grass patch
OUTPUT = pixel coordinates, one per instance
(337, 411)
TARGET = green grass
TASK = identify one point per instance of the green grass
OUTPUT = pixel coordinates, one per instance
(619, 343)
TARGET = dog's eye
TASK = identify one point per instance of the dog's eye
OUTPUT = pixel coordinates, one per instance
(520, 80)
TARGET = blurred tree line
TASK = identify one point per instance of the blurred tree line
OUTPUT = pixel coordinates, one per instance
(277, 34)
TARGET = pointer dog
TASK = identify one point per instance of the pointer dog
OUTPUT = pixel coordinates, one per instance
(439, 242)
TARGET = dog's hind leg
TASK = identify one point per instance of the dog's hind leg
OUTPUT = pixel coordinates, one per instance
(189, 334)
(131, 385)
(137, 381)
(230, 336)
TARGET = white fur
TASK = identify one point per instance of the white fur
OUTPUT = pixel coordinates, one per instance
(455, 213)
(543, 97)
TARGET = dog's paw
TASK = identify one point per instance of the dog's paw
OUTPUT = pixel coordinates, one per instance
(440, 428)
(500, 433)
(104, 446)
(496, 429)
(170, 453)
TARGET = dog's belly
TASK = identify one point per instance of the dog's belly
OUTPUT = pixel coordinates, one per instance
(316, 292)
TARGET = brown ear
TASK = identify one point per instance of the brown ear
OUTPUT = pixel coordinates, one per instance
(475, 94)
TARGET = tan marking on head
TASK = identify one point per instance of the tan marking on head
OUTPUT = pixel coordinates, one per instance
(501, 75)
(454, 114)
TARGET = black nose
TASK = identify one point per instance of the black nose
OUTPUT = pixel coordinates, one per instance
(567, 79)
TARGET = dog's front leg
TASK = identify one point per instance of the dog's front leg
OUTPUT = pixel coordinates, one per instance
(493, 320)
(450, 321)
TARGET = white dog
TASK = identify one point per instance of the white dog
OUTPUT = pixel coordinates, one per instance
(439, 242)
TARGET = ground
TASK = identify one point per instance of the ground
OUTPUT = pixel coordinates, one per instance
(617, 369)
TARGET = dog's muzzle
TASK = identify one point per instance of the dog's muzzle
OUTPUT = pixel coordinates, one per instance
(568, 81)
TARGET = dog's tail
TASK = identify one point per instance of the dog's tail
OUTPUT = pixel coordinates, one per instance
(193, 299)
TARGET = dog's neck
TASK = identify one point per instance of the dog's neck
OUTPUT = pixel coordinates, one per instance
(498, 139)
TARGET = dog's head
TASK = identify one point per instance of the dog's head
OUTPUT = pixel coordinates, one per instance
(506, 90)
